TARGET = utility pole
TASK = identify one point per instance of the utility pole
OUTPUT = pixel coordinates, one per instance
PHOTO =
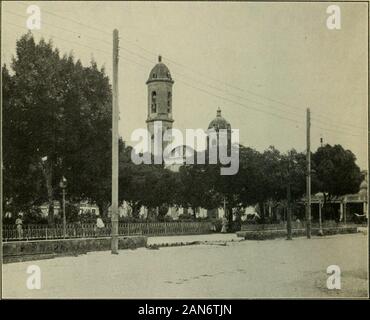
(308, 178)
(115, 118)
(289, 207)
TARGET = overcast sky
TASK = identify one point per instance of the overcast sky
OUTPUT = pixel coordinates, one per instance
(263, 64)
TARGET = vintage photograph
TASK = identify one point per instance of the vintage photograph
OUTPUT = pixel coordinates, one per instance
(186, 149)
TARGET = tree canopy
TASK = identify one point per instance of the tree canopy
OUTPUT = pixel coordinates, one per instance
(56, 122)
(336, 171)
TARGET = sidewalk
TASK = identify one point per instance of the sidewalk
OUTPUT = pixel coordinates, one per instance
(195, 238)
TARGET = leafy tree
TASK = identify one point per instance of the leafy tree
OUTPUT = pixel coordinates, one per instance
(34, 216)
(291, 171)
(152, 186)
(335, 171)
(21, 180)
(195, 189)
(58, 123)
(72, 213)
(235, 191)
(261, 177)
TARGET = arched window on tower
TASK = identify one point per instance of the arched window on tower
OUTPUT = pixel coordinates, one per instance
(169, 100)
(154, 102)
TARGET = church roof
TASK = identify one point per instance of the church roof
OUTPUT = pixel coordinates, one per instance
(160, 72)
(219, 122)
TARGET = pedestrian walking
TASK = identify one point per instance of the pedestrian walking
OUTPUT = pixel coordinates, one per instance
(19, 226)
(224, 225)
(99, 226)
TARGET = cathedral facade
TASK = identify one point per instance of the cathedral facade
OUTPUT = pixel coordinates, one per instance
(160, 110)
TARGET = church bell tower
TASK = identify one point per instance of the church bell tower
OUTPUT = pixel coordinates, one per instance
(159, 100)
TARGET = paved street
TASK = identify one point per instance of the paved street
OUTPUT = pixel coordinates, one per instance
(271, 268)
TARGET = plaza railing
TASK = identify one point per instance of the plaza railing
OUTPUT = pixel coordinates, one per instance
(88, 230)
(299, 225)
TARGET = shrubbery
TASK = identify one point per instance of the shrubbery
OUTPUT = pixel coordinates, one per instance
(186, 217)
(31, 216)
(167, 218)
(34, 216)
(217, 223)
(129, 219)
(87, 217)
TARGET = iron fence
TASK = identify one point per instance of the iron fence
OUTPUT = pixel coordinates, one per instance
(88, 230)
(298, 225)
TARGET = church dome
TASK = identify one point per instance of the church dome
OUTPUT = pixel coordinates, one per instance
(160, 72)
(219, 122)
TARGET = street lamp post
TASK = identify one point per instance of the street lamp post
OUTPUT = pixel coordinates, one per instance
(63, 186)
(321, 233)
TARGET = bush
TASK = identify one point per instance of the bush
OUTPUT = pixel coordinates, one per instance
(235, 226)
(162, 211)
(151, 218)
(34, 216)
(129, 219)
(9, 220)
(217, 223)
(186, 217)
(167, 218)
(71, 213)
(87, 217)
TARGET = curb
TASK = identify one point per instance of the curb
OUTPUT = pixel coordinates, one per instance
(156, 246)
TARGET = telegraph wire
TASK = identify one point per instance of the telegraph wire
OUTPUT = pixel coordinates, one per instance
(57, 37)
(217, 88)
(220, 97)
(337, 131)
(296, 113)
(144, 67)
(329, 117)
(246, 106)
(149, 60)
(194, 71)
(64, 29)
(256, 102)
(240, 104)
(330, 122)
(344, 127)
(202, 89)
(149, 52)
(71, 20)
